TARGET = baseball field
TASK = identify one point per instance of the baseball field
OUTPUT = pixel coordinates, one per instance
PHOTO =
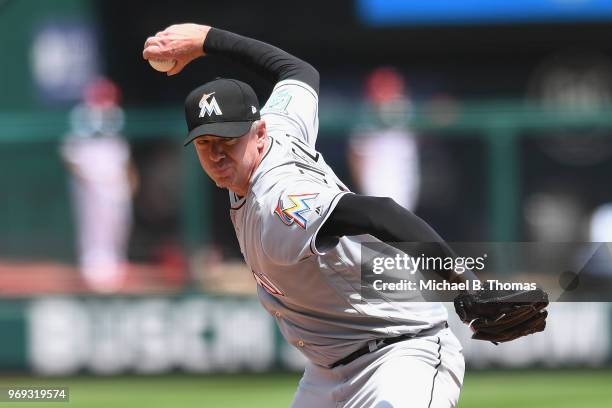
(543, 389)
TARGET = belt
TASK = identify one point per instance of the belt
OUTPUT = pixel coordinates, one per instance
(374, 345)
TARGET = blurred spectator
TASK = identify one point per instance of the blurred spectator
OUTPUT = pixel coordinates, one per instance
(383, 155)
(102, 184)
(601, 231)
(601, 224)
(553, 216)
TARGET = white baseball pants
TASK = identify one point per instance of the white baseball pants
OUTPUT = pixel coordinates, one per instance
(424, 372)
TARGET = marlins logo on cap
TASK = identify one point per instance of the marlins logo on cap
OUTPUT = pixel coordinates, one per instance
(208, 107)
(223, 107)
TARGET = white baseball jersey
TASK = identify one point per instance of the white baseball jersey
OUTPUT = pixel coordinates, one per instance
(313, 291)
(384, 154)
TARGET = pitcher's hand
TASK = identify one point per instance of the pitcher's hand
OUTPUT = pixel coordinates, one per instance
(180, 42)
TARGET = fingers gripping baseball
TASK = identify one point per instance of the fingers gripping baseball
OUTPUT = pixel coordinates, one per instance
(180, 42)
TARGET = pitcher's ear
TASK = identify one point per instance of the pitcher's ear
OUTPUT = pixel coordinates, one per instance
(261, 130)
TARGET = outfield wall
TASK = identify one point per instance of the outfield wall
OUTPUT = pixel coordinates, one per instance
(201, 334)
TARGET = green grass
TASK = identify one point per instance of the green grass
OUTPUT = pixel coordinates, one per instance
(542, 389)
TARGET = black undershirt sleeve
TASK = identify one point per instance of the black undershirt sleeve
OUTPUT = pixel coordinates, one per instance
(270, 62)
(388, 221)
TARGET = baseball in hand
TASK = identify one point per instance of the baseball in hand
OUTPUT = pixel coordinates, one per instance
(162, 65)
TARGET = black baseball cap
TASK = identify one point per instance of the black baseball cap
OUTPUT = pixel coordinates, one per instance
(223, 107)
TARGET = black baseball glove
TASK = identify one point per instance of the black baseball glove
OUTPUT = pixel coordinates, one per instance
(503, 315)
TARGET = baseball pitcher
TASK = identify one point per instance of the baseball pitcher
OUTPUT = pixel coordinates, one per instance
(300, 231)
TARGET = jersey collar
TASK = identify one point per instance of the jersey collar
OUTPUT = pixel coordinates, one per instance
(263, 164)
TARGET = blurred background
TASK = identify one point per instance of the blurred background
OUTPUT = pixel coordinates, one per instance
(120, 275)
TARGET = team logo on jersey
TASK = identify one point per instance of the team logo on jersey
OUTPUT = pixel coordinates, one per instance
(267, 284)
(278, 101)
(297, 208)
(209, 106)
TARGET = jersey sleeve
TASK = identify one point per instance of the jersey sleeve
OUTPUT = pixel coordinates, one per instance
(293, 108)
(292, 221)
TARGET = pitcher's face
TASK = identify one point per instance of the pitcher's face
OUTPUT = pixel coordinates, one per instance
(230, 162)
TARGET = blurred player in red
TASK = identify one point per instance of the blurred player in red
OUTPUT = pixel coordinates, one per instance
(99, 162)
(383, 153)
